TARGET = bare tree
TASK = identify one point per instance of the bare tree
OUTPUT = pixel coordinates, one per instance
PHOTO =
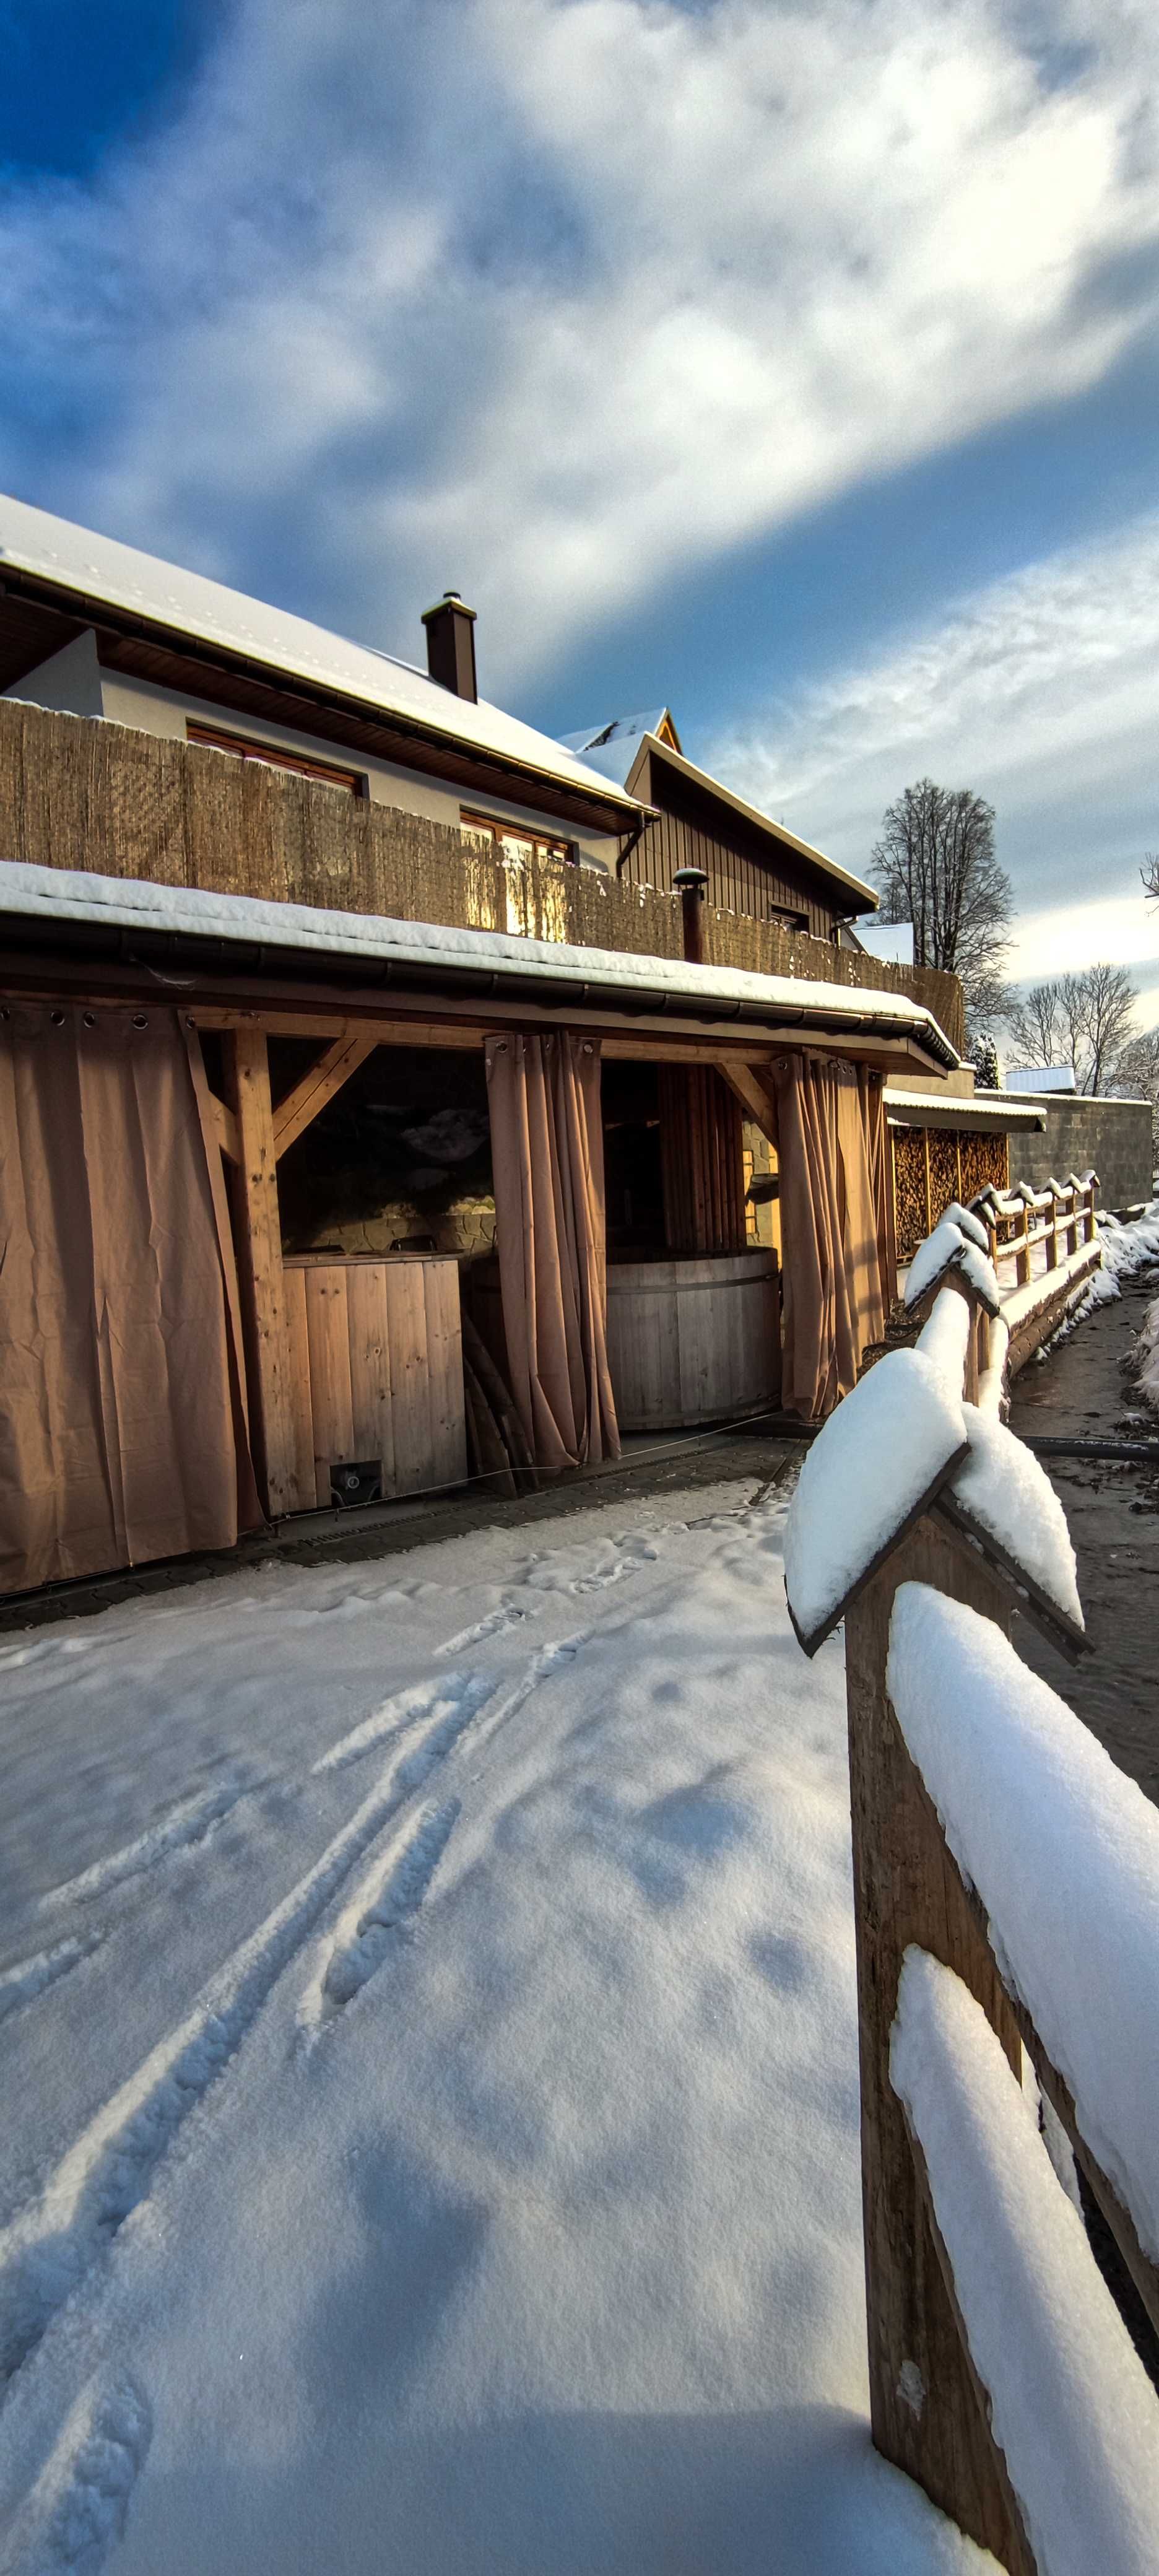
(1086, 1020)
(935, 866)
(1035, 1025)
(1150, 875)
(1137, 1075)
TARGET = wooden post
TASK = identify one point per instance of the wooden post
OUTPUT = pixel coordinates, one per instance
(1022, 1249)
(924, 2400)
(260, 1279)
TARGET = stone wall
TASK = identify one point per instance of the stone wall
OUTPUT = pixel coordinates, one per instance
(1113, 1135)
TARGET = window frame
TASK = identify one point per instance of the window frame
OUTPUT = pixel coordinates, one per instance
(500, 828)
(273, 755)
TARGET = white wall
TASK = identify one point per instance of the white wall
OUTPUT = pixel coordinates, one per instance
(69, 682)
(151, 709)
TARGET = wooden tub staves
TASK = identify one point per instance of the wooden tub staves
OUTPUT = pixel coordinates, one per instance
(694, 1340)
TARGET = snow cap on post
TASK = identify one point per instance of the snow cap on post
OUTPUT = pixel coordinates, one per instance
(967, 1223)
(1063, 1851)
(1003, 1500)
(945, 1254)
(875, 1466)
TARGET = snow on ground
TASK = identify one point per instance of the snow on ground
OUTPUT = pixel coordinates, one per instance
(1126, 1249)
(429, 2064)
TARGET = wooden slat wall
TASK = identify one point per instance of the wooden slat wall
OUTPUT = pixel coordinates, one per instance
(75, 794)
(739, 879)
(701, 1161)
(377, 1362)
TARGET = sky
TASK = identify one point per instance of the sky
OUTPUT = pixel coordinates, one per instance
(797, 367)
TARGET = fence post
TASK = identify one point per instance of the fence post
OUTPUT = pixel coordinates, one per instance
(1022, 1249)
(927, 2412)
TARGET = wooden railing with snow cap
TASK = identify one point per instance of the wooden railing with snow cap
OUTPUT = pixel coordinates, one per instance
(1035, 1269)
(1006, 1890)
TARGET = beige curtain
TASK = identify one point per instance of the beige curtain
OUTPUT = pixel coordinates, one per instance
(122, 1434)
(547, 1150)
(839, 1274)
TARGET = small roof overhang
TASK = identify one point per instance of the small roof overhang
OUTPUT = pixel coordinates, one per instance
(972, 1112)
(120, 918)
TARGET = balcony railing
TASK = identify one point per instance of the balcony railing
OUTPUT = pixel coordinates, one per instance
(82, 793)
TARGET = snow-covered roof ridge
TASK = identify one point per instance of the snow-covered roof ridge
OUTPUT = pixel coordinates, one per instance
(63, 894)
(1063, 1850)
(881, 1457)
(1072, 2408)
(100, 568)
(949, 1249)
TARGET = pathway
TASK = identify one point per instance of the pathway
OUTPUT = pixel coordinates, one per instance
(1113, 1509)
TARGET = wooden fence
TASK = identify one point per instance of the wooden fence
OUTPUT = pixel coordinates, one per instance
(966, 1517)
(80, 794)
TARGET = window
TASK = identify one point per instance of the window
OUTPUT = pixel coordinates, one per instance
(515, 840)
(274, 757)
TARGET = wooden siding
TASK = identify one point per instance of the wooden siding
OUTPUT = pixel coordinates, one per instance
(691, 832)
(104, 797)
(376, 1372)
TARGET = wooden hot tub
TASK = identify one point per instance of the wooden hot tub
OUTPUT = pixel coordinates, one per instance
(693, 1341)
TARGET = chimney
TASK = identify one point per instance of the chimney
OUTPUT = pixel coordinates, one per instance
(451, 645)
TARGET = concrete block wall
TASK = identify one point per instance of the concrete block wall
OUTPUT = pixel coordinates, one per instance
(1113, 1135)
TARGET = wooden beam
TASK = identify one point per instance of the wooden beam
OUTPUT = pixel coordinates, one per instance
(259, 1248)
(302, 1104)
(285, 1009)
(225, 1125)
(753, 1093)
(923, 2401)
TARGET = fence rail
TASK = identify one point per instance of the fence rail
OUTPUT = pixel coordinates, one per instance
(77, 793)
(1006, 1888)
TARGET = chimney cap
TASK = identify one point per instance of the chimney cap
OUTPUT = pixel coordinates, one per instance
(450, 599)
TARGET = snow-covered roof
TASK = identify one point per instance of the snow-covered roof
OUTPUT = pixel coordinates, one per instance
(1041, 1077)
(100, 569)
(614, 748)
(959, 1109)
(58, 894)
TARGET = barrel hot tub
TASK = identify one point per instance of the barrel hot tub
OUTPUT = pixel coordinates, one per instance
(693, 1341)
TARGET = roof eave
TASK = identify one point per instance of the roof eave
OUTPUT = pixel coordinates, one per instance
(867, 900)
(611, 807)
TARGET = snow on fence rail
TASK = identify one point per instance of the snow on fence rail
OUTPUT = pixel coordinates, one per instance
(1006, 1886)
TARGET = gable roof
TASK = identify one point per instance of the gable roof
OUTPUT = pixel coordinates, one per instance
(92, 571)
(613, 748)
(617, 750)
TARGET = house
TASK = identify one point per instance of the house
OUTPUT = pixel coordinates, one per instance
(364, 1123)
(752, 865)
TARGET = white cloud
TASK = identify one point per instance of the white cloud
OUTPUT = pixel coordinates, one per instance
(549, 297)
(1040, 693)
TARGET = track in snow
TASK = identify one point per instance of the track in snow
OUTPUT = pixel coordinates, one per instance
(48, 2249)
(80, 2502)
(188, 1822)
(29, 1977)
(386, 1897)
